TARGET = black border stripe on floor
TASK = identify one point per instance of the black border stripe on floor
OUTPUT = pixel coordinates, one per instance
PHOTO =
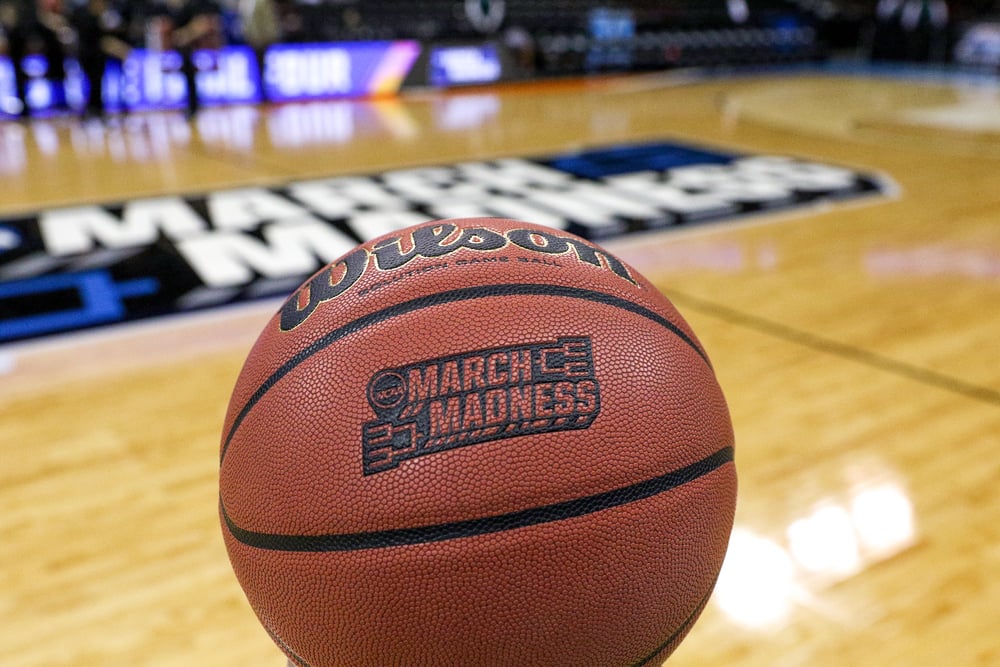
(828, 346)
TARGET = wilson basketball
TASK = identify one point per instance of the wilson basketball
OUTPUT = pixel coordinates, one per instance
(477, 442)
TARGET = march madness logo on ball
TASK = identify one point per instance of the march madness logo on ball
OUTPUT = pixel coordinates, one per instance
(479, 396)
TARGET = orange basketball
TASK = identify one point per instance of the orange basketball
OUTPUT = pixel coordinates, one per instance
(477, 442)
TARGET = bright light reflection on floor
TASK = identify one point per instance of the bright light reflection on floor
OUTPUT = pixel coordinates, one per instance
(883, 517)
(764, 579)
(755, 587)
(825, 541)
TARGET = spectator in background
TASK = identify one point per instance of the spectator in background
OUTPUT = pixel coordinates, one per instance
(261, 29)
(15, 22)
(232, 24)
(926, 27)
(197, 24)
(101, 30)
(911, 30)
(293, 26)
(53, 34)
(521, 45)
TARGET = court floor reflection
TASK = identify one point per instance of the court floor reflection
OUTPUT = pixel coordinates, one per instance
(770, 570)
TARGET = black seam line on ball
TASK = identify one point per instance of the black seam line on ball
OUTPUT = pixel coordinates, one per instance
(293, 656)
(484, 525)
(686, 625)
(451, 296)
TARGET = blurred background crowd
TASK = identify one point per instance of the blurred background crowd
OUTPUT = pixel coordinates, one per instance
(96, 31)
(552, 37)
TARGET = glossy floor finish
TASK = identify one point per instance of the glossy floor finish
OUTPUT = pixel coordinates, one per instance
(857, 344)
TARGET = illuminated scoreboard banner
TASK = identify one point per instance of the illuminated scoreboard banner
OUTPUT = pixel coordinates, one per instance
(464, 65)
(153, 79)
(318, 71)
(146, 80)
(71, 268)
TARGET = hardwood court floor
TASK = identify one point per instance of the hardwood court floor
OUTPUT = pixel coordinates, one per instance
(857, 344)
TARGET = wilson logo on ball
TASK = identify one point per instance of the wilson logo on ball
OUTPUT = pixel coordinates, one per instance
(479, 396)
(433, 242)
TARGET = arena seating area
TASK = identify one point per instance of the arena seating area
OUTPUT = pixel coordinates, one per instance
(319, 42)
(573, 36)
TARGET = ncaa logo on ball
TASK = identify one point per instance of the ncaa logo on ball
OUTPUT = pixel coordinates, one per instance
(386, 390)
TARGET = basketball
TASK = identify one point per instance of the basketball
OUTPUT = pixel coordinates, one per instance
(477, 442)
